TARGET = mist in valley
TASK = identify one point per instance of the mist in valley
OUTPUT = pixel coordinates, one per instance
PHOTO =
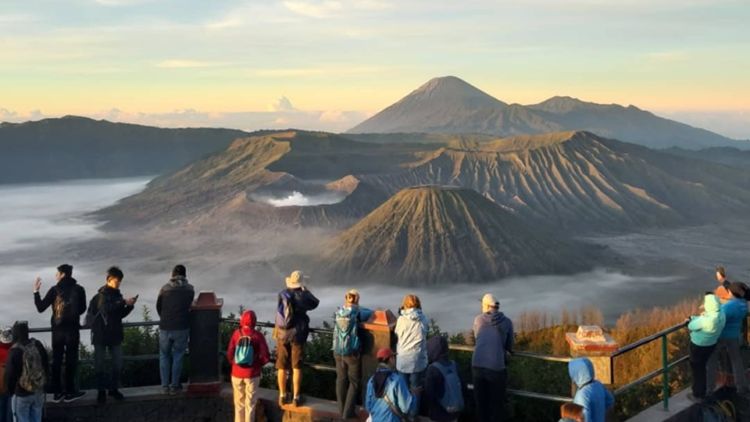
(43, 226)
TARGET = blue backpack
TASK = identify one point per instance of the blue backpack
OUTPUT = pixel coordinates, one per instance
(453, 398)
(345, 332)
(244, 352)
(284, 311)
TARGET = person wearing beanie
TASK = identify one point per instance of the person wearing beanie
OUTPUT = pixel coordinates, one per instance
(705, 330)
(442, 381)
(68, 301)
(6, 342)
(253, 354)
(173, 306)
(27, 357)
(291, 329)
(735, 311)
(388, 398)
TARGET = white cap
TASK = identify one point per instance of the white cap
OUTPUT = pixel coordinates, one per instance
(489, 300)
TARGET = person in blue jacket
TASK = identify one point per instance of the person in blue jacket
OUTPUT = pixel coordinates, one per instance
(591, 394)
(735, 311)
(705, 330)
(388, 397)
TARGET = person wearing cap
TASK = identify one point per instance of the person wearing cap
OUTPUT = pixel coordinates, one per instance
(290, 341)
(735, 311)
(722, 290)
(493, 334)
(68, 301)
(411, 332)
(346, 351)
(6, 342)
(388, 397)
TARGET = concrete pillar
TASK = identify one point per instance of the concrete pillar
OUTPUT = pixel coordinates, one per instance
(377, 333)
(591, 342)
(205, 316)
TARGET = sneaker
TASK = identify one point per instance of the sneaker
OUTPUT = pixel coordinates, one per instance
(58, 397)
(173, 391)
(101, 397)
(282, 400)
(116, 394)
(165, 390)
(694, 399)
(297, 401)
(73, 397)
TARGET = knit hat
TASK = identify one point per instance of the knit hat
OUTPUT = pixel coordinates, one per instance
(6, 335)
(294, 281)
(738, 289)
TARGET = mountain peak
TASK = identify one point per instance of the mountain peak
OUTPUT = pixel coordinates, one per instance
(455, 89)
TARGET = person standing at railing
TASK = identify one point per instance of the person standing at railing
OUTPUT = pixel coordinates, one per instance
(411, 346)
(722, 290)
(68, 301)
(6, 342)
(347, 345)
(735, 311)
(291, 329)
(173, 307)
(493, 334)
(705, 330)
(591, 394)
(247, 353)
(388, 397)
(26, 374)
(444, 392)
(106, 311)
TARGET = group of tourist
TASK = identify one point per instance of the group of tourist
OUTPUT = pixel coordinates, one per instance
(417, 377)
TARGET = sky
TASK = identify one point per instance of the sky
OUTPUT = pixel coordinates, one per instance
(328, 64)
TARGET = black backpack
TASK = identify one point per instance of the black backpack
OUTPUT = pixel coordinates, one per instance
(64, 307)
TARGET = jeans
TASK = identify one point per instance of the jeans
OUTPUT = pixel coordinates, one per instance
(101, 369)
(489, 394)
(29, 408)
(65, 343)
(6, 411)
(348, 376)
(732, 346)
(245, 398)
(172, 347)
(698, 358)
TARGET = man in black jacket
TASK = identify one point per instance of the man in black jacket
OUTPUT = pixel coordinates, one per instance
(290, 340)
(173, 307)
(106, 312)
(68, 302)
(27, 389)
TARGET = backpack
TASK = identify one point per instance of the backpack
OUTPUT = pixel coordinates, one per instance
(345, 332)
(244, 352)
(453, 397)
(33, 375)
(63, 308)
(284, 311)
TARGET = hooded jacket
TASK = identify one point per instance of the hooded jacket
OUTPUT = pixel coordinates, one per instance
(67, 287)
(411, 350)
(108, 308)
(735, 311)
(173, 304)
(591, 395)
(437, 352)
(260, 347)
(493, 334)
(706, 328)
(388, 383)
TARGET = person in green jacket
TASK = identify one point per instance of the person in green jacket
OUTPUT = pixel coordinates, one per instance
(705, 330)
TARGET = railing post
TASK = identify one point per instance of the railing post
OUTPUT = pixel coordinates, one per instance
(205, 316)
(665, 376)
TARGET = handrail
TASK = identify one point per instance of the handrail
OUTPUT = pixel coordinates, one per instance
(548, 358)
(649, 339)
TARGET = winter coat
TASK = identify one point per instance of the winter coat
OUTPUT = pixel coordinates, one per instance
(302, 302)
(591, 395)
(735, 311)
(706, 328)
(388, 383)
(437, 351)
(108, 309)
(493, 334)
(411, 349)
(14, 367)
(4, 353)
(173, 304)
(68, 287)
(260, 348)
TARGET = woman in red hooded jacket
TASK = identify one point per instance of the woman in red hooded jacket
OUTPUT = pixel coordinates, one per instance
(246, 377)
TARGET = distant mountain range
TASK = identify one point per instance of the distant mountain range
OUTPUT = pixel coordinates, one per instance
(77, 147)
(451, 105)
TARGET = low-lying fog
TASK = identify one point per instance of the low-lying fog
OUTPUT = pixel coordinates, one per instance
(42, 226)
(300, 199)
